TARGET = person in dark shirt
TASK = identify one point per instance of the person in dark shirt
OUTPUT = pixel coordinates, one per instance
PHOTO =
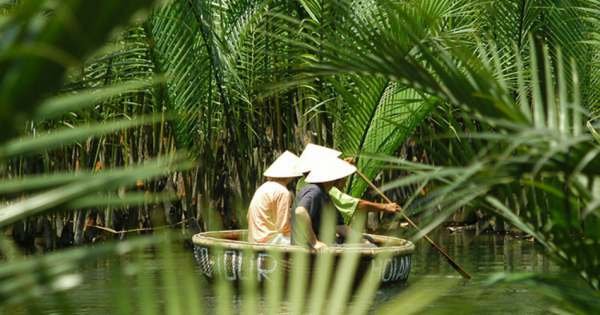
(314, 216)
(346, 205)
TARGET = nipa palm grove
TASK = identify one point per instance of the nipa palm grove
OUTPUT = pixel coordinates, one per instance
(462, 110)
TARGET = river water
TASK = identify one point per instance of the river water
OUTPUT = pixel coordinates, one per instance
(481, 255)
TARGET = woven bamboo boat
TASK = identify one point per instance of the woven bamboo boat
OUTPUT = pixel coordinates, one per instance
(226, 254)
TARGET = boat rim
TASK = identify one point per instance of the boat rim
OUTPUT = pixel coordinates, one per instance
(389, 245)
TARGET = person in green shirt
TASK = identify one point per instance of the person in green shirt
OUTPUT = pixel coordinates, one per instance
(347, 205)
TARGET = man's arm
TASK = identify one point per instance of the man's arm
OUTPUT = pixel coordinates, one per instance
(307, 235)
(365, 205)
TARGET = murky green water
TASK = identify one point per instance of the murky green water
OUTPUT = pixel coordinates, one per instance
(482, 256)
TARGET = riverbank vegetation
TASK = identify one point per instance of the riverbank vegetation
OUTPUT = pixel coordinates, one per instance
(120, 118)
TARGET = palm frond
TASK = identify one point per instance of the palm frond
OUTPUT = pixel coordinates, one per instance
(181, 56)
(65, 38)
(376, 117)
(537, 174)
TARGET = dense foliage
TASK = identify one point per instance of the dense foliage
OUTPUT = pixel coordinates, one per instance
(499, 99)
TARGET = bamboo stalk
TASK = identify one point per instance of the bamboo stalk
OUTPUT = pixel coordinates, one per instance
(451, 261)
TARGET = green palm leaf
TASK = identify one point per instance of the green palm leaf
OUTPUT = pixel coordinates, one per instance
(376, 117)
(375, 114)
(182, 58)
(72, 32)
(538, 174)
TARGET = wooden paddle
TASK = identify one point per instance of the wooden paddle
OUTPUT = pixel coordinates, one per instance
(451, 261)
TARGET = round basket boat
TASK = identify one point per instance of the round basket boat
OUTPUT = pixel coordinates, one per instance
(226, 254)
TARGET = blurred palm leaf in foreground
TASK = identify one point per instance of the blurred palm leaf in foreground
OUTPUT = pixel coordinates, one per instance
(524, 133)
(530, 156)
(40, 41)
(28, 88)
(538, 173)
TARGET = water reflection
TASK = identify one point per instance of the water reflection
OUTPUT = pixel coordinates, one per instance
(481, 255)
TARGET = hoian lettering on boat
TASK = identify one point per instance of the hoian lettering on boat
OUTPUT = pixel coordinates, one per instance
(231, 265)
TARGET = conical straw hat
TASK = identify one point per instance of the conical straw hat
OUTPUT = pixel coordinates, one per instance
(313, 154)
(330, 169)
(286, 165)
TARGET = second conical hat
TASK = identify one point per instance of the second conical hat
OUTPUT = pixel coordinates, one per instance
(313, 154)
(286, 165)
(330, 169)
